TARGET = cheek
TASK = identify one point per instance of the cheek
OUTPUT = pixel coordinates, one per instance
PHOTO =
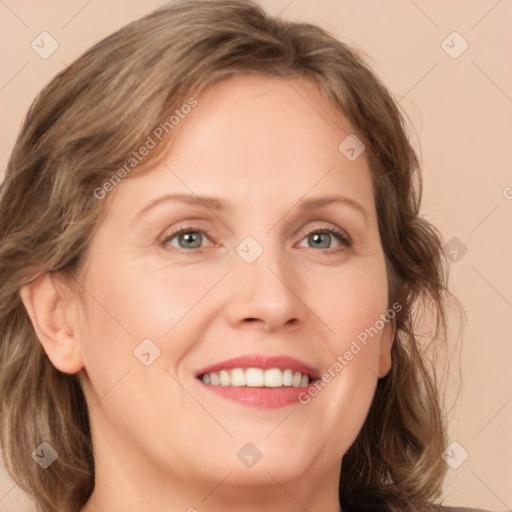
(142, 301)
(353, 300)
(353, 309)
(127, 303)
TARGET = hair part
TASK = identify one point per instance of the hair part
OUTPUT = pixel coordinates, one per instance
(86, 124)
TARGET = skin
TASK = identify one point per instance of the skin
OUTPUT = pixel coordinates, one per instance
(162, 440)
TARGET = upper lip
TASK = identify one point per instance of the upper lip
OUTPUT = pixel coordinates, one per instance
(260, 361)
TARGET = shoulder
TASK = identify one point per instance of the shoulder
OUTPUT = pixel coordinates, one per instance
(428, 507)
(440, 508)
(459, 509)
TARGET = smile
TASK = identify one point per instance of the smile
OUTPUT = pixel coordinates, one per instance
(257, 378)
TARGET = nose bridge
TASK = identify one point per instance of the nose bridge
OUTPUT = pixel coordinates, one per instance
(264, 282)
(260, 261)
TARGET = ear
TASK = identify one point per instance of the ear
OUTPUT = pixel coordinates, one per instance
(47, 303)
(386, 343)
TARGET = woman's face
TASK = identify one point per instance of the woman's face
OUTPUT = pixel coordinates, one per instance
(260, 274)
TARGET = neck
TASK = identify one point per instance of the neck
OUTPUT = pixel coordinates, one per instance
(131, 480)
(125, 483)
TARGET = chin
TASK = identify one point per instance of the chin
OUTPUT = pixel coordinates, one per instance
(251, 459)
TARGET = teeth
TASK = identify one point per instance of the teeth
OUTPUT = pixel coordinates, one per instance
(287, 377)
(274, 378)
(254, 377)
(225, 378)
(214, 378)
(296, 379)
(237, 377)
(257, 378)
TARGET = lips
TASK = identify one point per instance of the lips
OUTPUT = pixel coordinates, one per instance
(262, 362)
(261, 381)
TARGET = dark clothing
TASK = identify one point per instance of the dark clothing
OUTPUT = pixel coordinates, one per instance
(439, 509)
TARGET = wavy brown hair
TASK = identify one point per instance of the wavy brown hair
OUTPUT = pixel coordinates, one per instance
(86, 124)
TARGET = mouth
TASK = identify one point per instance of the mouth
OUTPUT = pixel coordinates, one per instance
(259, 381)
(257, 378)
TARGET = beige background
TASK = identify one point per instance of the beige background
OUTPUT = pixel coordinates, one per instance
(461, 109)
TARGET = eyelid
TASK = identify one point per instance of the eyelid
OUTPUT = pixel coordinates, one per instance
(166, 237)
(343, 237)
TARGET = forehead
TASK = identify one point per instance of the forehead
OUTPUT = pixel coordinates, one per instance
(274, 111)
(257, 140)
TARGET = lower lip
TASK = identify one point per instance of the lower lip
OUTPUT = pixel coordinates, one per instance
(267, 398)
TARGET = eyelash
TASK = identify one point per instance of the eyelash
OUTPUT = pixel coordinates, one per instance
(345, 240)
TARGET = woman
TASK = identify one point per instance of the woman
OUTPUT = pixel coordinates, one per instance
(274, 362)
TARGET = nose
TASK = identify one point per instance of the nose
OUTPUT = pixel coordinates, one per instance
(266, 294)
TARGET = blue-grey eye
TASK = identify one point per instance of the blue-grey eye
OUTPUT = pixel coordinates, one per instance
(186, 239)
(316, 239)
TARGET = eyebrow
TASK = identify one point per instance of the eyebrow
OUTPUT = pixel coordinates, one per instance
(314, 203)
(212, 203)
(217, 204)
